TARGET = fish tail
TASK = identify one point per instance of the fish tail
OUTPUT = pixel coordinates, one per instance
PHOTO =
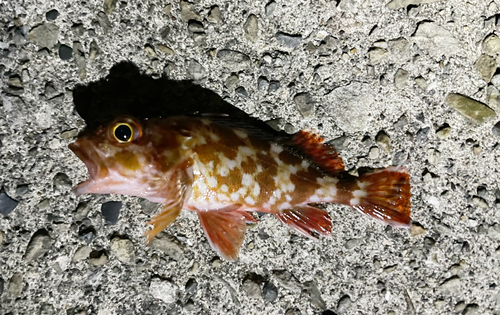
(384, 195)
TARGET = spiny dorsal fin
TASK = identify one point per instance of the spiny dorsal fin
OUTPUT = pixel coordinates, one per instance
(312, 146)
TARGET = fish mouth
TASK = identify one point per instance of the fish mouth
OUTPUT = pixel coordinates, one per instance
(87, 153)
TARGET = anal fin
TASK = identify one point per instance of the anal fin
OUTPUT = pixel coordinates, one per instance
(312, 146)
(307, 220)
(225, 229)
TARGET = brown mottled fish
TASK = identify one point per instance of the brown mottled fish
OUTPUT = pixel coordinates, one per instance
(224, 173)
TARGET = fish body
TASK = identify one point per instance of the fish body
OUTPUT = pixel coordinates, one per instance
(224, 174)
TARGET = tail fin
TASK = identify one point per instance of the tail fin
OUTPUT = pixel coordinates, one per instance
(385, 196)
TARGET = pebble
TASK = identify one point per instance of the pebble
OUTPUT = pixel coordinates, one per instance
(234, 60)
(241, 92)
(2, 236)
(166, 50)
(422, 83)
(416, 230)
(288, 40)
(262, 83)
(399, 50)
(383, 140)
(270, 292)
(377, 55)
(195, 26)
(401, 78)
(169, 246)
(443, 131)
(450, 285)
(491, 45)
(98, 257)
(496, 129)
(251, 28)
(109, 6)
(7, 204)
(62, 182)
(80, 59)
(191, 286)
(344, 304)
(474, 110)
(270, 7)
(436, 40)
(398, 4)
(374, 153)
(471, 309)
(111, 211)
(440, 304)
(44, 35)
(39, 244)
(305, 104)
(214, 16)
(82, 253)
(314, 295)
(124, 250)
(163, 290)
(52, 15)
(188, 12)
(480, 202)
(103, 21)
(232, 80)
(251, 288)
(459, 307)
(273, 86)
(486, 66)
(93, 50)
(287, 280)
(16, 284)
(15, 81)
(296, 311)
(352, 243)
(65, 52)
(195, 70)
(494, 232)
(167, 9)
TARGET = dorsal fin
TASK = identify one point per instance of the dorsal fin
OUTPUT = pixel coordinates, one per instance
(312, 146)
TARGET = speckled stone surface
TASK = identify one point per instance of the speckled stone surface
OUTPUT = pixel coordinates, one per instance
(372, 76)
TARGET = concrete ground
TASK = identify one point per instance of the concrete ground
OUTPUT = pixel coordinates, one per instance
(400, 82)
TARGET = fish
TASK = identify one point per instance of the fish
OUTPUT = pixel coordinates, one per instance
(225, 172)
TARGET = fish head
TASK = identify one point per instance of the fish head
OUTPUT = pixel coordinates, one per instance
(127, 157)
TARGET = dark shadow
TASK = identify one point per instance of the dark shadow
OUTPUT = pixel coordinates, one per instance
(126, 91)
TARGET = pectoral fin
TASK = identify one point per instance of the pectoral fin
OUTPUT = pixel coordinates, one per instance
(225, 230)
(167, 215)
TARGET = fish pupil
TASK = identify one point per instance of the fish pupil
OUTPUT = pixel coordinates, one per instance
(123, 133)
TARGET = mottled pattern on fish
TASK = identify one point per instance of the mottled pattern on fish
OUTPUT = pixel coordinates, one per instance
(225, 173)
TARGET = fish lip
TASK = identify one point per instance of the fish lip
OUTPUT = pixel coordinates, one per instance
(85, 151)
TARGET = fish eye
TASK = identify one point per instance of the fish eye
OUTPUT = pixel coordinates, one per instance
(124, 129)
(123, 132)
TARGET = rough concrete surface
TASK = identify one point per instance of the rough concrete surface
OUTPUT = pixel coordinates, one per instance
(372, 76)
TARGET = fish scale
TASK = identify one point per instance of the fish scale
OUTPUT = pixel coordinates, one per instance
(225, 173)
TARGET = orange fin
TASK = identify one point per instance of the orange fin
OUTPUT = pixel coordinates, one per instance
(385, 196)
(307, 220)
(225, 230)
(323, 155)
(167, 215)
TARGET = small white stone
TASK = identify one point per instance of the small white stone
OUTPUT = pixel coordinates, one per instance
(163, 290)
